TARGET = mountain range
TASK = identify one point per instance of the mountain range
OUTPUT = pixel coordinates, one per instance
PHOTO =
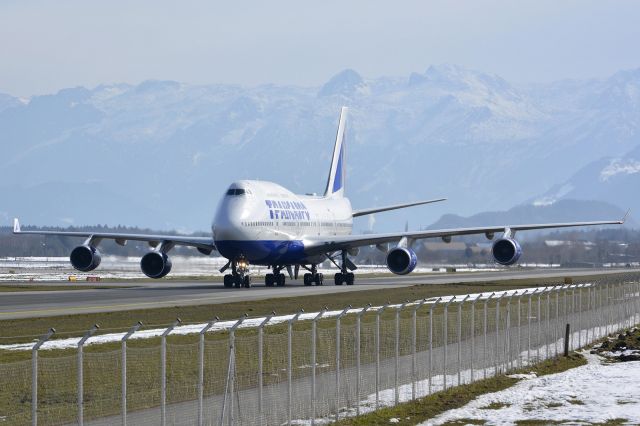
(161, 153)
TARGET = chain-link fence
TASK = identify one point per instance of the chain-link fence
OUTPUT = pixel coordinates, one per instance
(314, 368)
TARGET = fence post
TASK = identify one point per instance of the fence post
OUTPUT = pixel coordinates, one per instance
(445, 333)
(540, 321)
(126, 337)
(460, 338)
(580, 326)
(473, 333)
(290, 362)
(507, 334)
(431, 308)
(497, 353)
(338, 318)
(519, 348)
(34, 375)
(163, 371)
(573, 311)
(358, 320)
(201, 370)
(485, 365)
(314, 325)
(414, 347)
(556, 338)
(399, 308)
(378, 313)
(529, 326)
(261, 362)
(231, 372)
(547, 331)
(80, 372)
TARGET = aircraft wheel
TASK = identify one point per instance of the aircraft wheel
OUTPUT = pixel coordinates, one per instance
(269, 280)
(338, 278)
(307, 279)
(237, 281)
(318, 279)
(228, 281)
(247, 281)
(350, 278)
(281, 280)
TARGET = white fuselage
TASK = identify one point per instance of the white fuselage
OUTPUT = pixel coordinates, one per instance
(265, 223)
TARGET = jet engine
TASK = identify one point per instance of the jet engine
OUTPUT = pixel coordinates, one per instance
(155, 264)
(85, 258)
(506, 251)
(401, 261)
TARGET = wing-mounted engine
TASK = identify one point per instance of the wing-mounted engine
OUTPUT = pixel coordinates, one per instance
(506, 251)
(155, 264)
(401, 260)
(85, 258)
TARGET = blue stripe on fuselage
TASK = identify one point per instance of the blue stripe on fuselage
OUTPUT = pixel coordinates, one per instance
(263, 251)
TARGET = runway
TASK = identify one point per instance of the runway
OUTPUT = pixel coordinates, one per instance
(32, 304)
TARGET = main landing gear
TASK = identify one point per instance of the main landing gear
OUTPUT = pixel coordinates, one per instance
(344, 276)
(314, 277)
(276, 278)
(239, 276)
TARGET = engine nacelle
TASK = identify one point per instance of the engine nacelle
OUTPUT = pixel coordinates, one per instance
(401, 261)
(155, 265)
(85, 258)
(506, 251)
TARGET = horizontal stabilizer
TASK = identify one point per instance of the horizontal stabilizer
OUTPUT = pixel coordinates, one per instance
(364, 212)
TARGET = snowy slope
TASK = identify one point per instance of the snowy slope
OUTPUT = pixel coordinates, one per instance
(594, 393)
(169, 149)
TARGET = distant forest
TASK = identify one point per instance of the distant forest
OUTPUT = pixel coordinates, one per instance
(591, 246)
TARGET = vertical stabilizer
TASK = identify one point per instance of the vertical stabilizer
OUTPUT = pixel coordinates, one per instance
(335, 183)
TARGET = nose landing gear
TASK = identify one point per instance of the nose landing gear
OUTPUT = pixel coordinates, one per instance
(239, 276)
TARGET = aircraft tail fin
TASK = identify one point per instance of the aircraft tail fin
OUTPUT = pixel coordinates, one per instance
(335, 182)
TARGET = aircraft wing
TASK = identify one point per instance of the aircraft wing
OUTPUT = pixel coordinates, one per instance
(363, 212)
(204, 244)
(327, 245)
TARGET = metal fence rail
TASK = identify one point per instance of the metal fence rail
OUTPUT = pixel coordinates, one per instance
(326, 366)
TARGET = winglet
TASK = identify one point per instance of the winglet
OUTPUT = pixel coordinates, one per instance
(626, 216)
(16, 226)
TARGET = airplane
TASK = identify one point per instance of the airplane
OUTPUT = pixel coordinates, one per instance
(263, 223)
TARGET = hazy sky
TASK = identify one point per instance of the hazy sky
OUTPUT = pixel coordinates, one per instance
(48, 45)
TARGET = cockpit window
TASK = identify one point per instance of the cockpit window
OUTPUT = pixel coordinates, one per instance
(238, 191)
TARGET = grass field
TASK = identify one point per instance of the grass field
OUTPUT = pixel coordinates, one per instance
(25, 330)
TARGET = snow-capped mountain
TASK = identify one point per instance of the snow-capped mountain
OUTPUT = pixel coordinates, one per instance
(615, 180)
(161, 153)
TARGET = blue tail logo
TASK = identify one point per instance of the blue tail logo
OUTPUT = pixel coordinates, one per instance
(335, 183)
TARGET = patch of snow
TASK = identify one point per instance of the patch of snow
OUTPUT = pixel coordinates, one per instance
(594, 393)
(619, 166)
(523, 376)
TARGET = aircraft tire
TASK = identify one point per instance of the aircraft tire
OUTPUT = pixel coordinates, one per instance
(269, 280)
(237, 281)
(319, 279)
(350, 278)
(307, 279)
(247, 281)
(281, 280)
(228, 281)
(338, 278)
